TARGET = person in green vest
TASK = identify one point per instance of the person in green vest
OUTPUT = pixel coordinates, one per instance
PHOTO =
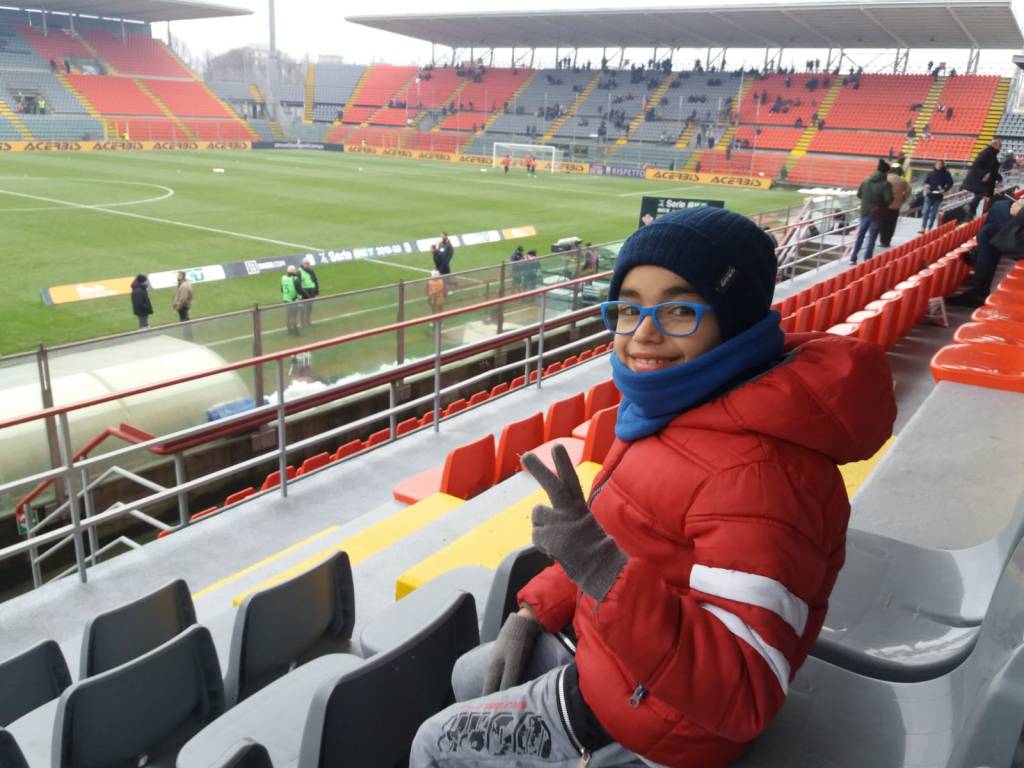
(309, 286)
(290, 286)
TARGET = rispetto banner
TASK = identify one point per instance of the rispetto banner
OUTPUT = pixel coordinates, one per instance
(121, 286)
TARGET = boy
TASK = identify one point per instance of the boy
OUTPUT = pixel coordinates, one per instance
(691, 585)
(435, 292)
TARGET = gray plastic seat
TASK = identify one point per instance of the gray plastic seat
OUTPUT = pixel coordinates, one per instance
(971, 716)
(289, 624)
(10, 753)
(147, 708)
(31, 679)
(129, 631)
(496, 590)
(245, 754)
(296, 716)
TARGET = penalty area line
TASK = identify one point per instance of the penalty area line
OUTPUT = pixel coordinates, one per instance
(157, 220)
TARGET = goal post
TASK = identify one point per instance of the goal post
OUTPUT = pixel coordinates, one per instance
(546, 155)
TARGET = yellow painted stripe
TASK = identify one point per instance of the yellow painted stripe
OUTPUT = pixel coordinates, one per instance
(372, 540)
(489, 542)
(265, 561)
(856, 472)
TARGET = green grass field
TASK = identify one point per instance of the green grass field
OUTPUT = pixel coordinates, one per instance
(269, 204)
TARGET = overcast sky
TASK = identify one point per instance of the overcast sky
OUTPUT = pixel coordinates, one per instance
(316, 27)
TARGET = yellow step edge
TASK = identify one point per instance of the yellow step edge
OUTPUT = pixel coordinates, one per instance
(372, 540)
(856, 472)
(653, 103)
(512, 100)
(582, 97)
(489, 542)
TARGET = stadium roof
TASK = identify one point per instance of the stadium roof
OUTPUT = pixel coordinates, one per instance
(139, 10)
(957, 24)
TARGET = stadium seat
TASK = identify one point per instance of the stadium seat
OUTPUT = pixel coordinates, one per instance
(533, 375)
(31, 679)
(140, 712)
(600, 396)
(274, 478)
(238, 496)
(563, 416)
(314, 463)
(970, 716)
(125, 633)
(500, 389)
(478, 398)
(553, 368)
(193, 518)
(998, 366)
(518, 381)
(427, 418)
(585, 355)
(350, 448)
(1010, 299)
(991, 332)
(467, 471)
(10, 752)
(454, 407)
(986, 313)
(570, 361)
(291, 623)
(406, 426)
(339, 710)
(245, 754)
(379, 437)
(516, 439)
(600, 436)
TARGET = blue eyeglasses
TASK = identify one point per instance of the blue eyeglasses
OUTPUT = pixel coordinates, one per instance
(672, 318)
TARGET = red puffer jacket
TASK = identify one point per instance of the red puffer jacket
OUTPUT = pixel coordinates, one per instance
(734, 520)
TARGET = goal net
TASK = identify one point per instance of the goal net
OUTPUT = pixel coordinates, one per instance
(546, 155)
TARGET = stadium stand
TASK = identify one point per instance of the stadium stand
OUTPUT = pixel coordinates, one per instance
(881, 102)
(187, 99)
(335, 83)
(115, 95)
(138, 55)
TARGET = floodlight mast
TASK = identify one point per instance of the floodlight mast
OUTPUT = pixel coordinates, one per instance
(271, 101)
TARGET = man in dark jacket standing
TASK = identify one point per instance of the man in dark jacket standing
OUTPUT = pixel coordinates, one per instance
(936, 185)
(890, 215)
(142, 308)
(983, 174)
(875, 195)
(445, 254)
(309, 286)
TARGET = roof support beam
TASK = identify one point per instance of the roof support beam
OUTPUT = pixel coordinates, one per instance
(828, 40)
(870, 17)
(768, 43)
(956, 18)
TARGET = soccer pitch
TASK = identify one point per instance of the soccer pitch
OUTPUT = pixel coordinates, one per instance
(83, 217)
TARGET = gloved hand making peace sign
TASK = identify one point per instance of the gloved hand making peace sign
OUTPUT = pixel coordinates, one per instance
(567, 531)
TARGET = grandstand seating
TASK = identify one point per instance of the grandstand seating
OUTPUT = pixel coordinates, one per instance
(743, 163)
(381, 84)
(8, 131)
(882, 102)
(769, 137)
(16, 53)
(30, 680)
(770, 88)
(335, 83)
(822, 169)
(58, 98)
(948, 148)
(970, 97)
(115, 95)
(870, 143)
(231, 91)
(432, 93)
(187, 98)
(58, 45)
(139, 54)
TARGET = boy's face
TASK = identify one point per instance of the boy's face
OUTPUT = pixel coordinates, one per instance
(648, 349)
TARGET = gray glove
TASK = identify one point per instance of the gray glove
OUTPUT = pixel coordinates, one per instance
(510, 653)
(568, 532)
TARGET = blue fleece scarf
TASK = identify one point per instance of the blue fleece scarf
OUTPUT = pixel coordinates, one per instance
(652, 399)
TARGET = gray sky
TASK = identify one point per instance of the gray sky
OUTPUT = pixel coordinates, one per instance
(315, 27)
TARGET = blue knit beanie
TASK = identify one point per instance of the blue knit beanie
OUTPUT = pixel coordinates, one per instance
(726, 257)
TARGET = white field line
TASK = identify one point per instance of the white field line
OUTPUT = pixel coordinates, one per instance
(170, 222)
(400, 266)
(167, 192)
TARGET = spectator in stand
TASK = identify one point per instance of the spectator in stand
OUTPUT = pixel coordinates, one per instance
(1003, 223)
(936, 185)
(983, 175)
(290, 283)
(890, 215)
(435, 292)
(531, 270)
(445, 254)
(875, 195)
(697, 580)
(516, 269)
(310, 285)
(142, 308)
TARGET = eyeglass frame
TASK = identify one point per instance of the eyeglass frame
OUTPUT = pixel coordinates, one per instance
(652, 312)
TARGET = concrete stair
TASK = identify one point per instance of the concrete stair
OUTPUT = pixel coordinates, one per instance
(582, 97)
(5, 111)
(654, 101)
(811, 130)
(925, 115)
(995, 113)
(165, 109)
(96, 55)
(512, 100)
(446, 103)
(275, 128)
(307, 116)
(401, 89)
(687, 136)
(229, 109)
(726, 139)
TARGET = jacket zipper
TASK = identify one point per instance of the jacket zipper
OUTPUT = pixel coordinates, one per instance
(563, 711)
(639, 694)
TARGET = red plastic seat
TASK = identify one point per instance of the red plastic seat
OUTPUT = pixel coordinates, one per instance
(585, 355)
(601, 435)
(600, 396)
(533, 375)
(499, 389)
(823, 312)
(378, 437)
(238, 496)
(553, 368)
(1013, 314)
(991, 332)
(516, 439)
(454, 407)
(869, 323)
(467, 471)
(569, 361)
(1005, 299)
(274, 478)
(478, 397)
(314, 463)
(197, 516)
(805, 319)
(563, 416)
(427, 418)
(517, 382)
(404, 427)
(350, 448)
(995, 366)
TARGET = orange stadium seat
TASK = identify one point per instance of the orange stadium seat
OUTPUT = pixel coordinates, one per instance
(274, 478)
(601, 435)
(379, 437)
(238, 496)
(996, 366)
(499, 389)
(991, 332)
(468, 470)
(563, 416)
(478, 397)
(406, 426)
(517, 438)
(350, 448)
(314, 463)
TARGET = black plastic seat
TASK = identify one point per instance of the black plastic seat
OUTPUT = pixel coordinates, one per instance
(245, 754)
(129, 631)
(10, 753)
(140, 711)
(290, 624)
(31, 679)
